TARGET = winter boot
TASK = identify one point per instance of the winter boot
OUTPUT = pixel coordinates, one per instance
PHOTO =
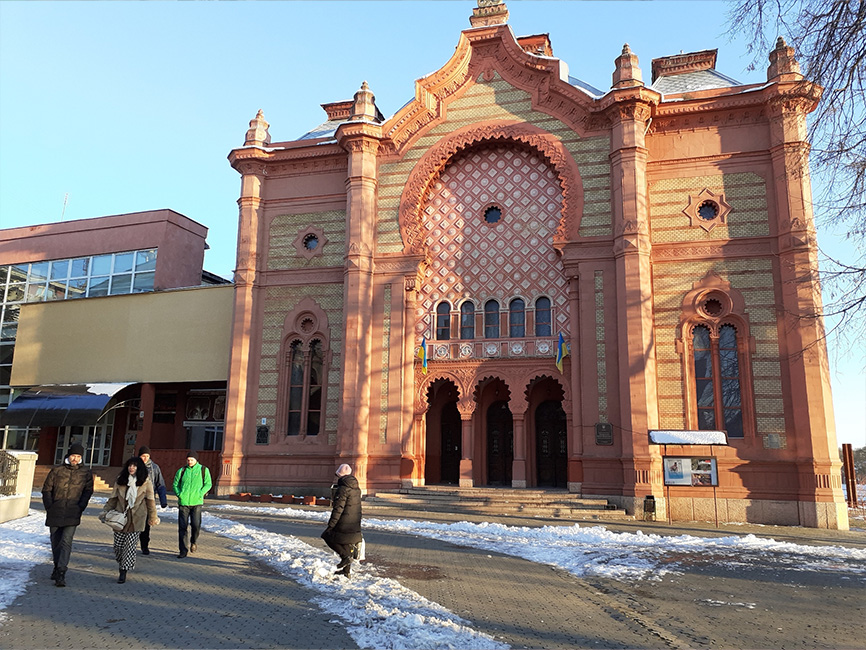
(60, 580)
(122, 577)
(344, 562)
(345, 571)
(54, 573)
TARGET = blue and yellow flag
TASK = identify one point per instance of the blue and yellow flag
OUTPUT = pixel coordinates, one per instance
(422, 354)
(561, 352)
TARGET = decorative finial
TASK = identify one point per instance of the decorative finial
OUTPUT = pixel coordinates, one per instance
(783, 64)
(489, 12)
(258, 131)
(365, 109)
(627, 73)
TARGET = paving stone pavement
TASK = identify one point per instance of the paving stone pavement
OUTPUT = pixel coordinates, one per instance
(220, 598)
(216, 597)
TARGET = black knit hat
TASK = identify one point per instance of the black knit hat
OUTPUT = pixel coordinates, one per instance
(192, 454)
(144, 449)
(75, 450)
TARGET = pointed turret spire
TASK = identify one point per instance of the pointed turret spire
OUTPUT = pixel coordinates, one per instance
(627, 73)
(489, 12)
(258, 131)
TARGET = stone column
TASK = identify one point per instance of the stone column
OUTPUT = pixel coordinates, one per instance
(803, 347)
(467, 412)
(638, 407)
(360, 137)
(518, 464)
(574, 414)
(241, 397)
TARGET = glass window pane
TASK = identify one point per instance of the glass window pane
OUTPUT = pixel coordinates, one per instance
(15, 292)
(703, 364)
(18, 272)
(730, 392)
(313, 421)
(728, 337)
(59, 270)
(701, 336)
(98, 286)
(101, 265)
(35, 292)
(10, 313)
(7, 352)
(143, 282)
(294, 427)
(296, 394)
(517, 318)
(706, 420)
(443, 321)
(704, 392)
(542, 317)
(315, 398)
(491, 319)
(734, 423)
(80, 267)
(728, 363)
(4, 274)
(145, 260)
(121, 284)
(8, 332)
(467, 320)
(56, 290)
(5, 375)
(77, 288)
(38, 271)
(123, 262)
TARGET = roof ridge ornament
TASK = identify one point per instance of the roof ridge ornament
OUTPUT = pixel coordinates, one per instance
(627, 72)
(489, 13)
(258, 132)
(783, 63)
(364, 109)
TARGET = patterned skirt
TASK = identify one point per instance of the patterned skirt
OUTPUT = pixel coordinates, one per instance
(125, 547)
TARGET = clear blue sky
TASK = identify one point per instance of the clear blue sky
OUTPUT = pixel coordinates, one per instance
(130, 106)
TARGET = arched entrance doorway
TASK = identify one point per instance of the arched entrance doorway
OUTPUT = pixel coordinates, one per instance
(500, 443)
(442, 462)
(551, 445)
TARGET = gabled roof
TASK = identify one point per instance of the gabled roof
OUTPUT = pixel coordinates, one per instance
(689, 82)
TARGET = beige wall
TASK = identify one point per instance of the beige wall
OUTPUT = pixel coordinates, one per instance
(181, 335)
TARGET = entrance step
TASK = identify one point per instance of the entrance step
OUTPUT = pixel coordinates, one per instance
(497, 501)
(103, 477)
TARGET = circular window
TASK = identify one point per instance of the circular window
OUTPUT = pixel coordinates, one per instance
(311, 242)
(708, 210)
(712, 307)
(492, 214)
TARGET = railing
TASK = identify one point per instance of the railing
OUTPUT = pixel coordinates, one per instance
(8, 474)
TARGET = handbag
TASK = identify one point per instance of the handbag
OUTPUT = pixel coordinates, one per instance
(359, 550)
(113, 519)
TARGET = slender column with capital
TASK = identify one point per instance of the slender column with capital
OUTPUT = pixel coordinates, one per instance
(574, 415)
(638, 407)
(804, 349)
(467, 412)
(518, 464)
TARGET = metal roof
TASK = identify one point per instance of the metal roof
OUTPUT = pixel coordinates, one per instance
(689, 82)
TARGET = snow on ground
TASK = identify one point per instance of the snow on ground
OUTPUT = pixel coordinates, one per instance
(595, 551)
(381, 613)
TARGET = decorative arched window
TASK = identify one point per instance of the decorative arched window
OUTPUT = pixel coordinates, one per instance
(517, 318)
(491, 319)
(542, 317)
(467, 320)
(443, 321)
(306, 372)
(715, 344)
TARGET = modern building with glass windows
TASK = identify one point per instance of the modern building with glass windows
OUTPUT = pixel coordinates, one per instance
(84, 305)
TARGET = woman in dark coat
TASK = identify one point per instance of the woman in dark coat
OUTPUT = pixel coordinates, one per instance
(344, 526)
(133, 495)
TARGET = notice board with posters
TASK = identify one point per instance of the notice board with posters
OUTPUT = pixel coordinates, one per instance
(693, 471)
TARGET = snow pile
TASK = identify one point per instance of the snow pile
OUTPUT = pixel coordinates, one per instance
(24, 542)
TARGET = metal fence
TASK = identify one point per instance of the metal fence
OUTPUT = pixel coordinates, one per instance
(8, 473)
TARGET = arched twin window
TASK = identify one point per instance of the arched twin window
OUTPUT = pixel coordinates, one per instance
(306, 378)
(718, 388)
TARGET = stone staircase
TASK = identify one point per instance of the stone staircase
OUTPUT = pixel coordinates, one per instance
(103, 477)
(554, 504)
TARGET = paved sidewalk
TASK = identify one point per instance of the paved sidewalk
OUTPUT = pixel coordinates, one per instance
(214, 598)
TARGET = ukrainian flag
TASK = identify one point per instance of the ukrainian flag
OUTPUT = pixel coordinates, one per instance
(422, 354)
(561, 352)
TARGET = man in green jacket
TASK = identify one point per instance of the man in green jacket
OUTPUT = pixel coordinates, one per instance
(191, 484)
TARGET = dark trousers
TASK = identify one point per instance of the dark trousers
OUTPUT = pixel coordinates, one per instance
(343, 550)
(188, 519)
(61, 545)
(144, 537)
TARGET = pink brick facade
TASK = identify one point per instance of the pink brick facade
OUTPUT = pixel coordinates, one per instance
(631, 222)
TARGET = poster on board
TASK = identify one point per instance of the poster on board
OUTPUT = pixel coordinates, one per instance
(697, 471)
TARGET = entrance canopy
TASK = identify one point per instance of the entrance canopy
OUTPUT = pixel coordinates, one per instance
(60, 405)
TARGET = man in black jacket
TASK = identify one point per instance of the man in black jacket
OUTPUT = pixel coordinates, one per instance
(344, 526)
(65, 493)
(155, 475)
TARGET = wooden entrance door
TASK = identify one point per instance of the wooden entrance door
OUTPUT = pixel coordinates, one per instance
(451, 444)
(551, 445)
(500, 444)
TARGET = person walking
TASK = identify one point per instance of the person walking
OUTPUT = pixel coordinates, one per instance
(344, 526)
(155, 476)
(191, 484)
(65, 494)
(132, 495)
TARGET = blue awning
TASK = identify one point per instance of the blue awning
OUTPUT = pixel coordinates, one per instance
(60, 405)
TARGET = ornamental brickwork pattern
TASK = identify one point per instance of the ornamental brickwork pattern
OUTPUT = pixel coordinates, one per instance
(498, 100)
(284, 228)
